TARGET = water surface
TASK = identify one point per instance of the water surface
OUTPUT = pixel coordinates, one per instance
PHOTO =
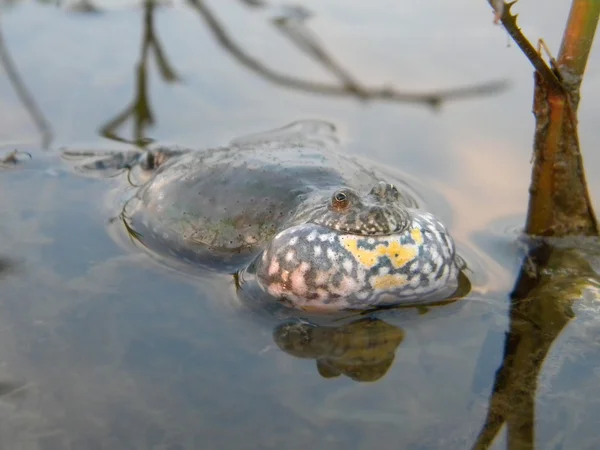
(102, 347)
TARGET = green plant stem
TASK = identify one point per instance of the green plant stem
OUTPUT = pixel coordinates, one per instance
(577, 39)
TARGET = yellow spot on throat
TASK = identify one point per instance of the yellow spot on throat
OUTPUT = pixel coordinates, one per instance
(398, 254)
(417, 236)
(387, 282)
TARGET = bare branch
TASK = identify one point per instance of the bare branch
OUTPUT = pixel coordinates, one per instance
(509, 21)
(434, 98)
(139, 109)
(24, 95)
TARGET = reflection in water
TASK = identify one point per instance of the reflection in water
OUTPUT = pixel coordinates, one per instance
(254, 3)
(362, 350)
(6, 266)
(12, 390)
(9, 389)
(290, 22)
(84, 7)
(293, 28)
(551, 278)
(139, 109)
(23, 93)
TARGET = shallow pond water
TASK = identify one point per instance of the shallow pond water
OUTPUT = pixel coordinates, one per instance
(103, 347)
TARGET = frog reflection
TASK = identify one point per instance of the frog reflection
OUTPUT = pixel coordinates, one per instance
(363, 350)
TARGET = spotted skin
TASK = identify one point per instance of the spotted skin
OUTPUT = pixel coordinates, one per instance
(319, 268)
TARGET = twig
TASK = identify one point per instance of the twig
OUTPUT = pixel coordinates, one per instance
(509, 21)
(434, 98)
(26, 98)
(301, 37)
(139, 108)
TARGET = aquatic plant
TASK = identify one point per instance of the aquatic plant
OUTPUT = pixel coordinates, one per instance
(559, 203)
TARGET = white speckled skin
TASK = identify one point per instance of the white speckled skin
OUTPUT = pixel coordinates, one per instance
(317, 268)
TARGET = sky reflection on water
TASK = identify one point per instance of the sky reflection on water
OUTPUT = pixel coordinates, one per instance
(114, 349)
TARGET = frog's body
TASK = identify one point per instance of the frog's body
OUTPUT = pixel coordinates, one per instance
(317, 228)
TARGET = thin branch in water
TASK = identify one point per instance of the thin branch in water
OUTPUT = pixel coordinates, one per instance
(139, 109)
(434, 98)
(254, 3)
(293, 27)
(26, 98)
(84, 7)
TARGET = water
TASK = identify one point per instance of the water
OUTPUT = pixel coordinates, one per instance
(102, 347)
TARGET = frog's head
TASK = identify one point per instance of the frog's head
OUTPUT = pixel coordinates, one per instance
(379, 213)
(357, 252)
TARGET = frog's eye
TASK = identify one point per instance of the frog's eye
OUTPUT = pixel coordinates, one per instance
(340, 201)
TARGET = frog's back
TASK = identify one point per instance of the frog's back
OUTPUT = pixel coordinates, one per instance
(227, 202)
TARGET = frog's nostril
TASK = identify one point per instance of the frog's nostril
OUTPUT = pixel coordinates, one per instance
(385, 191)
